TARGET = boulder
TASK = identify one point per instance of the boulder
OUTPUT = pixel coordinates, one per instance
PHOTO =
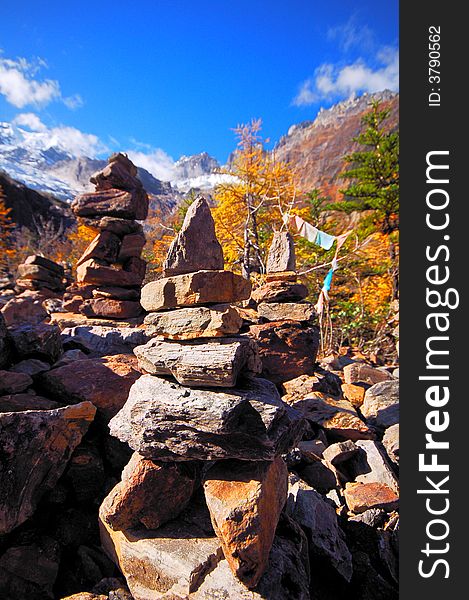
(26, 308)
(340, 452)
(287, 349)
(286, 311)
(212, 363)
(370, 465)
(354, 393)
(190, 289)
(381, 404)
(41, 341)
(92, 272)
(172, 560)
(195, 247)
(281, 253)
(318, 520)
(319, 474)
(164, 421)
(193, 323)
(66, 320)
(104, 340)
(105, 246)
(149, 495)
(391, 443)
(245, 500)
(104, 381)
(26, 437)
(112, 203)
(132, 246)
(363, 496)
(13, 383)
(280, 291)
(363, 373)
(109, 308)
(337, 417)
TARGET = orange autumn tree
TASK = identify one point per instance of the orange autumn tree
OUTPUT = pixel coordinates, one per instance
(250, 206)
(7, 242)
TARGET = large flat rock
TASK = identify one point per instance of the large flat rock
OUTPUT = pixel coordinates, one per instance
(213, 363)
(35, 446)
(112, 203)
(195, 322)
(104, 381)
(191, 289)
(165, 421)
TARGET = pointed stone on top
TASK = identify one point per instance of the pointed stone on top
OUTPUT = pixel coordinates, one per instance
(196, 247)
(282, 253)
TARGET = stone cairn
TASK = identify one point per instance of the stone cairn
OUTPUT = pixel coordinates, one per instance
(110, 271)
(198, 416)
(286, 337)
(38, 273)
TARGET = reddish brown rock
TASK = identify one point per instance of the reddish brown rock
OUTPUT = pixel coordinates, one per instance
(354, 393)
(104, 381)
(110, 308)
(40, 274)
(91, 272)
(245, 501)
(35, 446)
(281, 253)
(113, 203)
(116, 174)
(72, 305)
(280, 291)
(26, 307)
(336, 416)
(132, 245)
(362, 496)
(136, 266)
(149, 494)
(287, 349)
(105, 246)
(191, 289)
(285, 276)
(286, 311)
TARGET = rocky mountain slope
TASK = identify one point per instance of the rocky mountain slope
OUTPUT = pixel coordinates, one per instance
(316, 148)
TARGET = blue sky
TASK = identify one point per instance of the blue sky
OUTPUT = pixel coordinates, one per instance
(170, 77)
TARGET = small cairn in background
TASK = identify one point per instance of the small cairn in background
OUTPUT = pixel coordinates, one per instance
(38, 273)
(111, 270)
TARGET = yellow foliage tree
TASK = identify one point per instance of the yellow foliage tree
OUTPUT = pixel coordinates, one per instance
(7, 245)
(250, 207)
(76, 243)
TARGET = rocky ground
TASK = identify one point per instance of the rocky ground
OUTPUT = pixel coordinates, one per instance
(201, 451)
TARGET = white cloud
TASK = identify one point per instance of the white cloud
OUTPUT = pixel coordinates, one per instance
(29, 120)
(333, 81)
(351, 34)
(20, 86)
(73, 102)
(75, 142)
(156, 162)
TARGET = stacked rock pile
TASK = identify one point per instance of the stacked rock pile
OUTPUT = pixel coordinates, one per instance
(110, 271)
(287, 340)
(38, 273)
(213, 423)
